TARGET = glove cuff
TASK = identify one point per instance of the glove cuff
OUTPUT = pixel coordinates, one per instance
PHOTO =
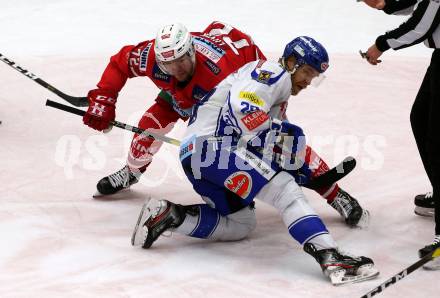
(102, 96)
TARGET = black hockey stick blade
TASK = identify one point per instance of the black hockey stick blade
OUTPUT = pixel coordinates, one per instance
(122, 125)
(73, 100)
(65, 108)
(76, 101)
(402, 274)
(334, 174)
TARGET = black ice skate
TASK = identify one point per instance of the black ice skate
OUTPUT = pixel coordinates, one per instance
(155, 218)
(115, 182)
(342, 269)
(349, 208)
(424, 204)
(429, 249)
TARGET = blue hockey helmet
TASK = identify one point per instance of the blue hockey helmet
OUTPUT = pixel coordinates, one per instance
(306, 50)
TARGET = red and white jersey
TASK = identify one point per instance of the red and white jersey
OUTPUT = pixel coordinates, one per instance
(220, 50)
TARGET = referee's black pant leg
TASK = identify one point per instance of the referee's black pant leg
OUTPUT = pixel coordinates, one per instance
(433, 136)
(419, 120)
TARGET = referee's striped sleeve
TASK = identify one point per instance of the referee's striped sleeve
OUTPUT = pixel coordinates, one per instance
(422, 23)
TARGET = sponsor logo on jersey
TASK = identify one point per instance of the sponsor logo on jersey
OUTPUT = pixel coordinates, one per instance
(160, 75)
(144, 58)
(212, 36)
(255, 162)
(239, 183)
(187, 147)
(214, 68)
(252, 97)
(208, 49)
(207, 53)
(254, 119)
(213, 46)
(182, 112)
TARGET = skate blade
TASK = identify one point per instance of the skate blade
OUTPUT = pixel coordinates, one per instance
(98, 195)
(364, 221)
(365, 272)
(433, 265)
(116, 196)
(428, 212)
(140, 231)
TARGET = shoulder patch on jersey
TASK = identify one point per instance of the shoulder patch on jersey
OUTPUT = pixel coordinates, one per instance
(213, 67)
(160, 75)
(239, 183)
(144, 58)
(252, 97)
(254, 119)
(265, 76)
(208, 49)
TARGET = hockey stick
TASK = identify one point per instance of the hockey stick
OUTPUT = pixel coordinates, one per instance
(135, 129)
(395, 278)
(334, 174)
(328, 178)
(76, 101)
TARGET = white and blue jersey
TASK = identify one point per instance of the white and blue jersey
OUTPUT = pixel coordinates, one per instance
(241, 107)
(227, 173)
(243, 103)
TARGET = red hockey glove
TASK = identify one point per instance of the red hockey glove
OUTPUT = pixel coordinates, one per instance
(101, 109)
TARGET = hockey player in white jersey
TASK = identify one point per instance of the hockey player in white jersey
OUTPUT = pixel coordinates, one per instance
(238, 148)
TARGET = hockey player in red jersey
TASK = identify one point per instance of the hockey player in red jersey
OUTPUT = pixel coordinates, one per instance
(185, 66)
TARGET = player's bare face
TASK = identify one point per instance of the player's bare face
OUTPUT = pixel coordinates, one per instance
(182, 68)
(302, 78)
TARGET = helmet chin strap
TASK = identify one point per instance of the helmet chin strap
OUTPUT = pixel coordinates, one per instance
(295, 68)
(283, 64)
(161, 67)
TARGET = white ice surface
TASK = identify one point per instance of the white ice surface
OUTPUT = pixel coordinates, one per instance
(58, 241)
